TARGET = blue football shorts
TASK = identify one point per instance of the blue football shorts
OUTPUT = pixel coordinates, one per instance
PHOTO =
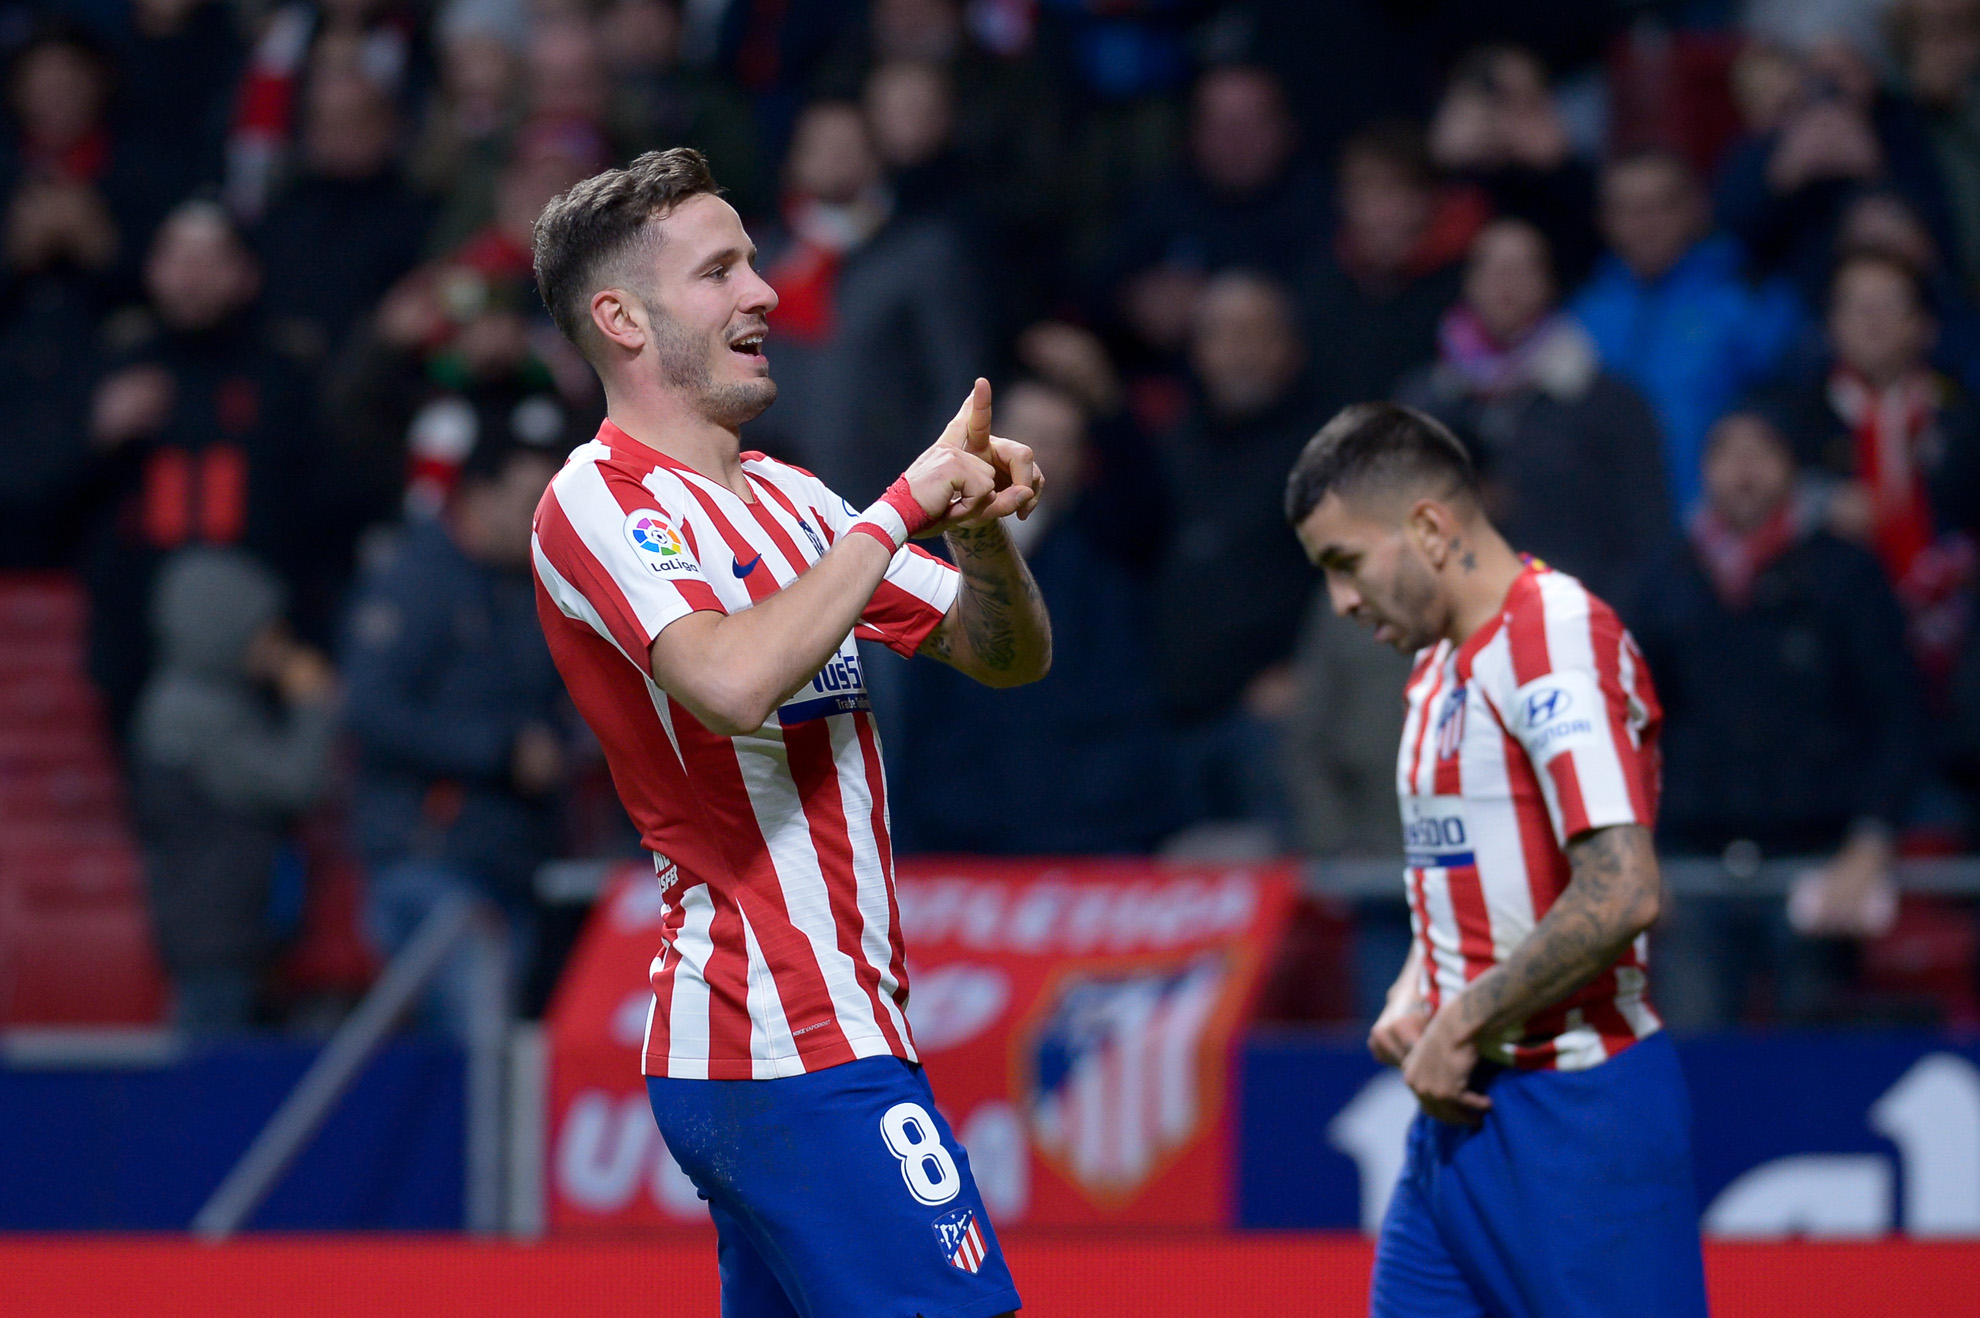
(1574, 1197)
(841, 1193)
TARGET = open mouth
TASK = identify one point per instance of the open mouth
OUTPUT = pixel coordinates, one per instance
(749, 345)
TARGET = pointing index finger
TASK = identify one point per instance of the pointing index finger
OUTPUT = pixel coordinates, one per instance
(977, 436)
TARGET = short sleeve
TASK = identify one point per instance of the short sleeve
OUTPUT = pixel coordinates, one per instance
(1584, 715)
(610, 555)
(912, 599)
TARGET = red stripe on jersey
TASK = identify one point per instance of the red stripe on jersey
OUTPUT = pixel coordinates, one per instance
(1423, 728)
(1547, 870)
(899, 618)
(760, 587)
(1473, 920)
(1526, 634)
(798, 982)
(869, 749)
(633, 497)
(817, 776)
(1607, 637)
(1607, 1018)
(1567, 790)
(576, 564)
(659, 1037)
(1435, 993)
(1526, 630)
(771, 488)
(768, 521)
(1448, 776)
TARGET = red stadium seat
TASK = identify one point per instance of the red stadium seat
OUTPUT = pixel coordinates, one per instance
(75, 939)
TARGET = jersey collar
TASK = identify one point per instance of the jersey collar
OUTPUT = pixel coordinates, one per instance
(1522, 587)
(621, 443)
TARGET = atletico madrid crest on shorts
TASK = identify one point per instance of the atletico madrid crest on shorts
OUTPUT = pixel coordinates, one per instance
(962, 1239)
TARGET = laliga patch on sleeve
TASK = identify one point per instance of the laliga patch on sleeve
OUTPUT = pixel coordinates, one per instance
(658, 545)
(1562, 711)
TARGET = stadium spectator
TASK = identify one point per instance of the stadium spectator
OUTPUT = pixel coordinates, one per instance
(1792, 728)
(1375, 299)
(879, 325)
(469, 124)
(658, 101)
(455, 708)
(1672, 312)
(1938, 45)
(380, 40)
(1498, 128)
(202, 436)
(1569, 455)
(911, 114)
(57, 242)
(177, 69)
(71, 190)
(219, 770)
(1243, 198)
(1782, 193)
(1079, 753)
(459, 347)
(346, 198)
(1902, 445)
(1883, 221)
(1005, 118)
(1224, 648)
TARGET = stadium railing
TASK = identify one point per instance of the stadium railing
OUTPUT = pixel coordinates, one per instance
(455, 925)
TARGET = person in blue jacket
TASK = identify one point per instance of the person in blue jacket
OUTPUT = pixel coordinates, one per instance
(1671, 310)
(453, 703)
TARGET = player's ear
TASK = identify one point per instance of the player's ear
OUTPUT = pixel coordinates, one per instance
(1429, 526)
(619, 318)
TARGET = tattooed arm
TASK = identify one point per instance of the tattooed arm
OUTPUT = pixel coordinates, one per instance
(997, 631)
(1613, 895)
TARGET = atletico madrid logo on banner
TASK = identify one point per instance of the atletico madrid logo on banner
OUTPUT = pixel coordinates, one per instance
(1115, 1072)
(961, 1239)
(1077, 1020)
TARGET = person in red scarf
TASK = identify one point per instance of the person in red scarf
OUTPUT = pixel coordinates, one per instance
(1569, 454)
(1897, 441)
(1793, 729)
(61, 157)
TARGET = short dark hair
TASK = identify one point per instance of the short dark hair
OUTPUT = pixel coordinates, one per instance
(1370, 447)
(1396, 144)
(1661, 156)
(581, 234)
(1907, 272)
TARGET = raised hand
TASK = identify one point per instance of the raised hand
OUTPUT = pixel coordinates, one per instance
(1019, 482)
(951, 486)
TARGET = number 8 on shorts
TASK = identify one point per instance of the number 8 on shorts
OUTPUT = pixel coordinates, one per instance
(910, 1135)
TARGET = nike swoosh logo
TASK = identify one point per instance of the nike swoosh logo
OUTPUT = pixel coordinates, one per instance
(741, 570)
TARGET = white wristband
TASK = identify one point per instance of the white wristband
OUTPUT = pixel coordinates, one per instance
(883, 522)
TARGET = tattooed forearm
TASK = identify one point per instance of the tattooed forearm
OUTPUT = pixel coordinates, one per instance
(999, 632)
(1612, 897)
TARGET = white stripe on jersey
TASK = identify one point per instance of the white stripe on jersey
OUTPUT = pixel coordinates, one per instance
(1486, 822)
(687, 1012)
(728, 810)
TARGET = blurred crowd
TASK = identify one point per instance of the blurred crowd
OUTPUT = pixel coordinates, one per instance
(1695, 282)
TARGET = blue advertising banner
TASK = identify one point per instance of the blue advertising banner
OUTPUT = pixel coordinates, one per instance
(1831, 1135)
(139, 1147)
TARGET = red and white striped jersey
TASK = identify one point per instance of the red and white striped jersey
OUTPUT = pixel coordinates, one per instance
(781, 947)
(1542, 726)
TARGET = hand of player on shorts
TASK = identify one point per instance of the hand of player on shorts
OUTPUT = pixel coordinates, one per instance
(1438, 1071)
(1398, 1028)
(1019, 481)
